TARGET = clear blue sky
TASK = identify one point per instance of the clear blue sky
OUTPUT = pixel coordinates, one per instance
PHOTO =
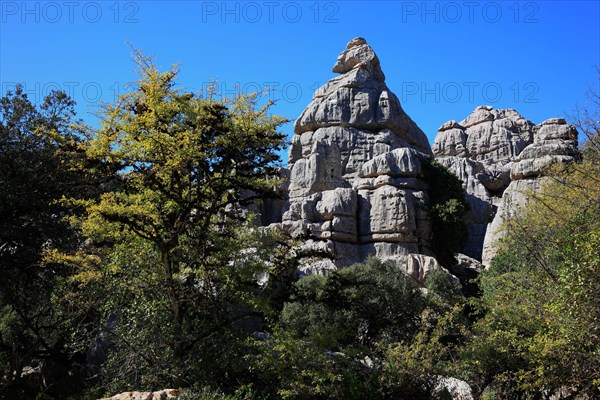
(442, 59)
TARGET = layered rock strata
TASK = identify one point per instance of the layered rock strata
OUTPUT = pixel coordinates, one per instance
(355, 166)
(554, 142)
(499, 156)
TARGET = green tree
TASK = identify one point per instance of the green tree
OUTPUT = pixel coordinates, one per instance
(541, 324)
(39, 146)
(168, 244)
(448, 209)
(357, 305)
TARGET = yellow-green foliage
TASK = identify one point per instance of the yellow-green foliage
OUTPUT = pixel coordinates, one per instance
(165, 240)
(541, 295)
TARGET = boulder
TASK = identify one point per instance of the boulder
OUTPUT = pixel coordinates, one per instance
(418, 266)
(452, 388)
(159, 395)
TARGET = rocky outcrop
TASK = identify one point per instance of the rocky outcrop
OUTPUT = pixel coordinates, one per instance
(355, 184)
(355, 165)
(360, 99)
(452, 388)
(479, 150)
(465, 267)
(499, 156)
(159, 395)
(554, 142)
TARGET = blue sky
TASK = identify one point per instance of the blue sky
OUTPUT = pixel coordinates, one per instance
(442, 59)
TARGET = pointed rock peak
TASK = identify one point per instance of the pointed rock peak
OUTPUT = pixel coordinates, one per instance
(359, 54)
(357, 41)
(360, 99)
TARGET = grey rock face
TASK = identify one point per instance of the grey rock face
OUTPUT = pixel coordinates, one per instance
(479, 150)
(554, 142)
(456, 389)
(499, 156)
(487, 135)
(158, 395)
(359, 98)
(478, 197)
(513, 198)
(355, 165)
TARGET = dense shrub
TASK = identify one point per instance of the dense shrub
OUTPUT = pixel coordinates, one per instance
(448, 209)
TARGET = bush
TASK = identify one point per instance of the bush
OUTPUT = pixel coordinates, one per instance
(448, 209)
(355, 306)
(540, 329)
(362, 332)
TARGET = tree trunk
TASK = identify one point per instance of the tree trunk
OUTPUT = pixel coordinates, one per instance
(177, 340)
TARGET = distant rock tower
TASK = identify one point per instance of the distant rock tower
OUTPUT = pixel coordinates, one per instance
(500, 157)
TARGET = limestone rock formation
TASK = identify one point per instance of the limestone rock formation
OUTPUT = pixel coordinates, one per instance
(455, 389)
(159, 395)
(499, 155)
(355, 164)
(479, 150)
(360, 99)
(355, 183)
(554, 141)
(465, 267)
